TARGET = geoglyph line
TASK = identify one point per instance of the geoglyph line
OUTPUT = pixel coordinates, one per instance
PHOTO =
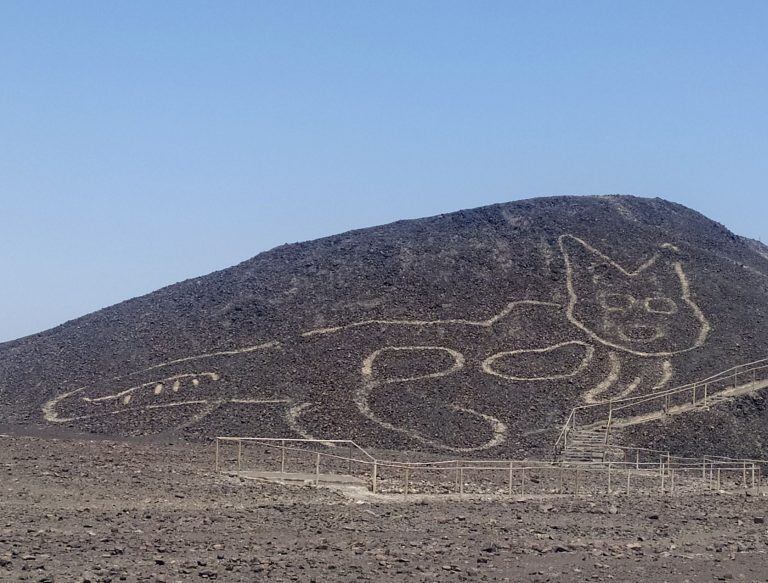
(667, 373)
(482, 323)
(158, 385)
(293, 420)
(458, 364)
(51, 414)
(591, 397)
(487, 364)
(362, 395)
(369, 382)
(705, 326)
(264, 346)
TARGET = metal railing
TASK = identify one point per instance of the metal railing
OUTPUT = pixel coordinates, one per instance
(314, 460)
(699, 394)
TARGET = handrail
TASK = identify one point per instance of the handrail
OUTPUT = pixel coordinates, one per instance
(626, 402)
(301, 440)
(680, 388)
(724, 462)
(725, 375)
(692, 473)
(563, 437)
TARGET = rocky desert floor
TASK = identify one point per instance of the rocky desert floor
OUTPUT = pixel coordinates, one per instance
(74, 508)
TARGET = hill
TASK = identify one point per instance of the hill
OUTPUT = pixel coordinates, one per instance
(473, 332)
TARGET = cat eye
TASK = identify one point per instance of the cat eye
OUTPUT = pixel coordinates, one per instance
(660, 305)
(618, 301)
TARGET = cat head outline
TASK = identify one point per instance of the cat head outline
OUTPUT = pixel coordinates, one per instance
(647, 312)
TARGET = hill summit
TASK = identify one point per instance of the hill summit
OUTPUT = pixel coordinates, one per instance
(473, 332)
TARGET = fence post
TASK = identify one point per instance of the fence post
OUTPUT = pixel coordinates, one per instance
(239, 456)
(406, 480)
(637, 459)
(217, 455)
(461, 481)
(522, 484)
(661, 472)
(510, 479)
(706, 386)
(753, 475)
(456, 476)
(718, 478)
(609, 478)
(744, 473)
(282, 456)
(693, 400)
(373, 475)
(672, 481)
(349, 462)
(317, 468)
(629, 473)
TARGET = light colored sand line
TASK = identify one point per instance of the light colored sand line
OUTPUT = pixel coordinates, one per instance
(264, 346)
(720, 397)
(51, 413)
(293, 419)
(460, 321)
(667, 373)
(589, 352)
(362, 394)
(458, 362)
(157, 384)
(257, 401)
(591, 396)
(704, 324)
(174, 404)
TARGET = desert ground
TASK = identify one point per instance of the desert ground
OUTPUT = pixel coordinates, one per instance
(79, 508)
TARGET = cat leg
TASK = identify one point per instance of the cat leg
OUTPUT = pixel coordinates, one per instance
(628, 377)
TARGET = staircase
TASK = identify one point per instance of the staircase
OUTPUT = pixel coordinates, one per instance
(591, 442)
(586, 444)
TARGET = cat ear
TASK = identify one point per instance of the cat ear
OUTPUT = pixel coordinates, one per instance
(581, 258)
(584, 261)
(666, 272)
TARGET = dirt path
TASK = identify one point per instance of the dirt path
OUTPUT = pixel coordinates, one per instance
(74, 510)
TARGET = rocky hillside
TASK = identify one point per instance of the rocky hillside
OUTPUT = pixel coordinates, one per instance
(472, 332)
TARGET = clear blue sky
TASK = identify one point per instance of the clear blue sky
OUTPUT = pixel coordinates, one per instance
(145, 142)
